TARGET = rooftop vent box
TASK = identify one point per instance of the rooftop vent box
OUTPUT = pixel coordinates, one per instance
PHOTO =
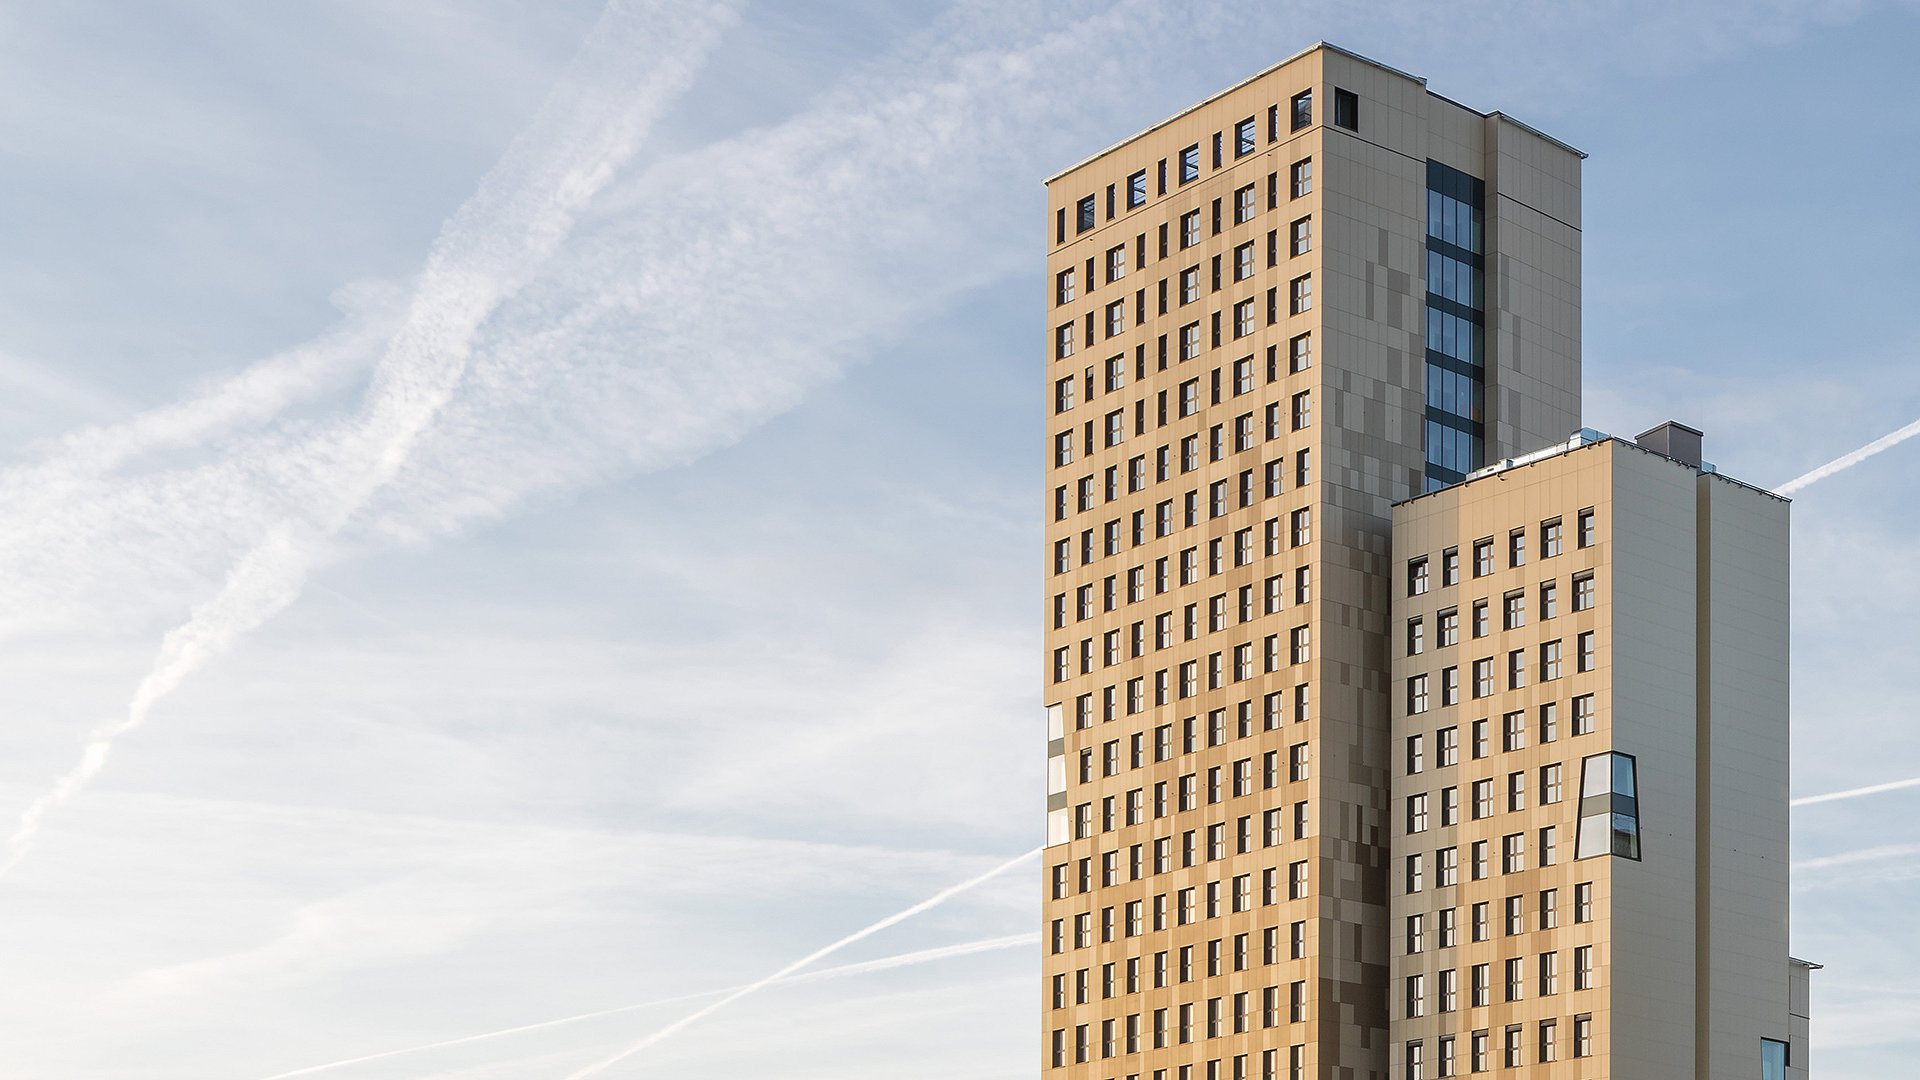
(1675, 440)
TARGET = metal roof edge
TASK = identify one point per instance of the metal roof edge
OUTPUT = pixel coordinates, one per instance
(1256, 76)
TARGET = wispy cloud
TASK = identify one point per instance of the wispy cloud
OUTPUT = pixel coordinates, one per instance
(491, 247)
(884, 963)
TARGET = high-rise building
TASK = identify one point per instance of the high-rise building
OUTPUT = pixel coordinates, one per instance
(1590, 784)
(1274, 316)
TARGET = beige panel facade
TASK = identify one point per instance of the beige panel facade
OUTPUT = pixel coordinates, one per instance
(1598, 604)
(1237, 395)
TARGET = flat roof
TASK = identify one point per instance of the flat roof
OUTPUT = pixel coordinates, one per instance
(1585, 437)
(1263, 72)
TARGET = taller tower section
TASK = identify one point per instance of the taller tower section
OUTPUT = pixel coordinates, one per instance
(1271, 317)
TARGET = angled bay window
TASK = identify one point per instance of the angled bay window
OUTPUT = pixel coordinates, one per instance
(1609, 808)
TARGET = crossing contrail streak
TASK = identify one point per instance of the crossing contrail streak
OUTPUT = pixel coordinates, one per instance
(496, 242)
(1854, 793)
(897, 917)
(884, 963)
(1847, 461)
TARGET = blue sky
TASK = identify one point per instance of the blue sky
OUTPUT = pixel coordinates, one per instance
(566, 480)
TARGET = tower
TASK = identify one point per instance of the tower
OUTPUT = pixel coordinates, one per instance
(1271, 317)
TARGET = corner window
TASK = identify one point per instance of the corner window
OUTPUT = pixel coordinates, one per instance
(1609, 808)
(1302, 109)
(1346, 109)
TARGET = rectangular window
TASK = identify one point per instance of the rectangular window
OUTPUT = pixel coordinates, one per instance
(1190, 164)
(1346, 109)
(1583, 715)
(1244, 206)
(1513, 853)
(1300, 237)
(1482, 558)
(1086, 217)
(1302, 109)
(1589, 533)
(1301, 178)
(1300, 353)
(1243, 319)
(1189, 229)
(1517, 548)
(1300, 295)
(1190, 348)
(1550, 658)
(1137, 190)
(1417, 578)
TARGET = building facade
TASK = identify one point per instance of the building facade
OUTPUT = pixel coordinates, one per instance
(1591, 777)
(1272, 317)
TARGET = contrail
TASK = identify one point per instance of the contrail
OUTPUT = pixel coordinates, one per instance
(884, 963)
(1846, 461)
(897, 917)
(488, 250)
(1854, 793)
(1876, 854)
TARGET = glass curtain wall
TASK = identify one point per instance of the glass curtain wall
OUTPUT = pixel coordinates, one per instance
(1456, 321)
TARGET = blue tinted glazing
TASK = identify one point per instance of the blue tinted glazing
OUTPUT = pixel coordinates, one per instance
(1456, 339)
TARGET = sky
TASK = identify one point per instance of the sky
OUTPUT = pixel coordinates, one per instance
(513, 511)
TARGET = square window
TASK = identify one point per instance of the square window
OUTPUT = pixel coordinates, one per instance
(1417, 579)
